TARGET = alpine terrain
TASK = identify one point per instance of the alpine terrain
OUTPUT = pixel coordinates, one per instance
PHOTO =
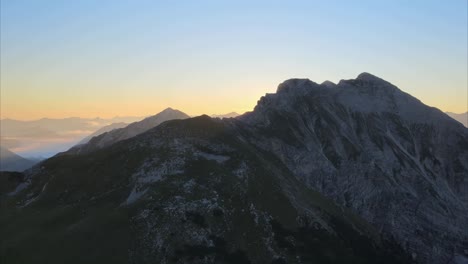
(354, 172)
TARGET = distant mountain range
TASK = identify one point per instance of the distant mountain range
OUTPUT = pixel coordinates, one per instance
(462, 118)
(353, 172)
(10, 161)
(228, 115)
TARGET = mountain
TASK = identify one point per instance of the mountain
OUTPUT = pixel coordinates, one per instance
(102, 130)
(399, 164)
(462, 118)
(354, 172)
(228, 115)
(134, 129)
(129, 131)
(187, 191)
(10, 161)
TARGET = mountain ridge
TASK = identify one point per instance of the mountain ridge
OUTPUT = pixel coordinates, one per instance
(129, 131)
(309, 162)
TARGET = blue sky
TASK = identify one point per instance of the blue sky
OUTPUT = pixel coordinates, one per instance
(107, 58)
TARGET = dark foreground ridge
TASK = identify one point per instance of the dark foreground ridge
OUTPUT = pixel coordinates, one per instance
(357, 172)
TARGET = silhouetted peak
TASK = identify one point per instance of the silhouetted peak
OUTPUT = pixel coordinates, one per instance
(171, 112)
(365, 76)
(295, 83)
(328, 83)
(370, 82)
(203, 117)
(168, 109)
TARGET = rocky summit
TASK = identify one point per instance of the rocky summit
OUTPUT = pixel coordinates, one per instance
(354, 172)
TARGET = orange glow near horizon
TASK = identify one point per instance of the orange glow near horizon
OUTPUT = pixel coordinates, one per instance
(148, 107)
(91, 59)
(23, 107)
(136, 107)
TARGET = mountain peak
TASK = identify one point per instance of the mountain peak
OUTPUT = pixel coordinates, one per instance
(168, 109)
(371, 82)
(328, 83)
(291, 83)
(365, 76)
(294, 84)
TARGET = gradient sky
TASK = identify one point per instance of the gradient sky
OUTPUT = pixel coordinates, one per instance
(109, 58)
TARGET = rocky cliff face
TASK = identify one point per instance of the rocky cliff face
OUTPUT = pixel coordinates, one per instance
(401, 165)
(357, 172)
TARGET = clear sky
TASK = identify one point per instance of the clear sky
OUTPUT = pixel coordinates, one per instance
(108, 58)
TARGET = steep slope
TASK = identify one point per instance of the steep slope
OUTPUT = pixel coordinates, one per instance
(10, 161)
(187, 191)
(462, 118)
(398, 163)
(101, 131)
(129, 131)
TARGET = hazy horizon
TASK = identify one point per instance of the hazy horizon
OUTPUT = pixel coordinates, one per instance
(116, 117)
(150, 114)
